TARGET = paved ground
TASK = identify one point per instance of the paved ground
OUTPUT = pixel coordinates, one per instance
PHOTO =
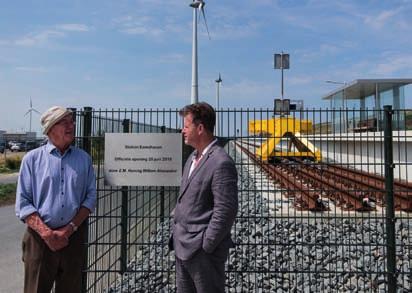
(8, 178)
(11, 266)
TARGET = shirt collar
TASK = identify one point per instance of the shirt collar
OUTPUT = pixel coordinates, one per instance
(50, 147)
(206, 149)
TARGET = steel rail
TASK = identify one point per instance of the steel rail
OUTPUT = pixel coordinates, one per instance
(304, 198)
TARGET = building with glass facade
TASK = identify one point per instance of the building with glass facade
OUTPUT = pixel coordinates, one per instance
(359, 104)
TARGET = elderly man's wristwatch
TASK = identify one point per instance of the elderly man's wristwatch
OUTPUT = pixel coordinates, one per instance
(74, 227)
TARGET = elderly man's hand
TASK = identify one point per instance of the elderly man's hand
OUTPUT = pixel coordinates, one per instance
(64, 232)
(55, 240)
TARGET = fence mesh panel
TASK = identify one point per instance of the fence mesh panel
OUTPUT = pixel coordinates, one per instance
(315, 211)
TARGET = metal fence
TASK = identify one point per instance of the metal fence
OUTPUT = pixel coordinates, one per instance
(322, 207)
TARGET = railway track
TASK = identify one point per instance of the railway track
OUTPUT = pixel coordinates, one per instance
(371, 186)
(347, 188)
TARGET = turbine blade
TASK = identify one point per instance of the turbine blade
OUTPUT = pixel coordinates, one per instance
(204, 17)
(36, 111)
(27, 112)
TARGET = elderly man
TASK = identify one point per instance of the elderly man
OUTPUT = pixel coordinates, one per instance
(55, 194)
(206, 207)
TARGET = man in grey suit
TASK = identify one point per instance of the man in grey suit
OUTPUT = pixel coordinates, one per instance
(206, 207)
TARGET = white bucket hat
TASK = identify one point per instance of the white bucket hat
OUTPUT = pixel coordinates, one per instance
(52, 116)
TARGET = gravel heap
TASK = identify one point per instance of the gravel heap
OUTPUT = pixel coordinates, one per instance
(286, 254)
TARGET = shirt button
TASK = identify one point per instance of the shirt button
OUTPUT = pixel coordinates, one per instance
(62, 205)
(61, 219)
(62, 193)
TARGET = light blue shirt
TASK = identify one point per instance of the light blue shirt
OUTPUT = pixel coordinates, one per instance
(55, 185)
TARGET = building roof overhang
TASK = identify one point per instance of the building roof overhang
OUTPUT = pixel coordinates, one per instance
(367, 87)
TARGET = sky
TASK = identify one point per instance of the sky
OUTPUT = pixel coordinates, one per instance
(137, 54)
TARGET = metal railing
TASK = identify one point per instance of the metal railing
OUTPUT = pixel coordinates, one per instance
(336, 222)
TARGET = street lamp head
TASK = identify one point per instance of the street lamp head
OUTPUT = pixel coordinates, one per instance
(336, 82)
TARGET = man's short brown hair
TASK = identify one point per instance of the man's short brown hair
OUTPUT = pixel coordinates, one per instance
(202, 113)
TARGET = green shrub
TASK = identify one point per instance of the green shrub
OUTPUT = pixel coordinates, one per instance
(13, 163)
(7, 193)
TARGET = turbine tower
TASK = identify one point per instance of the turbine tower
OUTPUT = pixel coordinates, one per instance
(30, 111)
(196, 5)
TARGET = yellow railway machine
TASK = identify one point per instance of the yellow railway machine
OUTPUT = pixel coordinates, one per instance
(284, 127)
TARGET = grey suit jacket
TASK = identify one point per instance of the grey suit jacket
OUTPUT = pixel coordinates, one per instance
(206, 207)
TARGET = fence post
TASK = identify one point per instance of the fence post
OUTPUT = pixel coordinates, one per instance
(162, 191)
(125, 208)
(87, 131)
(74, 115)
(390, 211)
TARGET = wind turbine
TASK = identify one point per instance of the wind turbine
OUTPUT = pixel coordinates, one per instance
(30, 111)
(196, 5)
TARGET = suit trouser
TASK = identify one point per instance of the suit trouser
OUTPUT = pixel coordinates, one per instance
(43, 267)
(203, 273)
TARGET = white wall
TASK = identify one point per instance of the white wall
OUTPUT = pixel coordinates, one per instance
(365, 151)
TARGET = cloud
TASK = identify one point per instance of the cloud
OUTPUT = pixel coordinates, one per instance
(232, 31)
(324, 50)
(88, 77)
(242, 92)
(31, 69)
(43, 37)
(385, 65)
(40, 38)
(225, 23)
(73, 27)
(301, 80)
(140, 30)
(143, 25)
(172, 58)
(380, 20)
(401, 64)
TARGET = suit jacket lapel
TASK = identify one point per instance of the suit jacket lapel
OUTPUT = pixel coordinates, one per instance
(195, 171)
(185, 179)
(199, 166)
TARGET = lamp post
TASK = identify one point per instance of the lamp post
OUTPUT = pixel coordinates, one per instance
(218, 82)
(281, 62)
(344, 83)
(344, 100)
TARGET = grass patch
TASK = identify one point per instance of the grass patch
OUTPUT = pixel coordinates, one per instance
(7, 193)
(11, 163)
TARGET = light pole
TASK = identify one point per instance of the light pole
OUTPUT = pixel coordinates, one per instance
(218, 82)
(344, 101)
(344, 83)
(281, 62)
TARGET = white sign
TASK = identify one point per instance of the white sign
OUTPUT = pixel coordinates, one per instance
(143, 159)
